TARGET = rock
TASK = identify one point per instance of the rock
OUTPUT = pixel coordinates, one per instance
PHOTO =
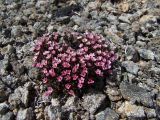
(113, 93)
(131, 54)
(124, 6)
(21, 95)
(55, 102)
(124, 18)
(107, 114)
(146, 54)
(8, 116)
(91, 102)
(25, 114)
(4, 92)
(3, 108)
(70, 104)
(130, 67)
(123, 26)
(132, 111)
(136, 94)
(93, 5)
(16, 31)
(33, 73)
(53, 113)
(151, 113)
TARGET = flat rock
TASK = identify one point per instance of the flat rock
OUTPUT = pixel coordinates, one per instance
(107, 114)
(130, 67)
(25, 114)
(3, 108)
(8, 116)
(91, 102)
(132, 111)
(136, 94)
(53, 113)
(146, 54)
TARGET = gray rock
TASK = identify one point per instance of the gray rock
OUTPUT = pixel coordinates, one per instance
(70, 104)
(107, 114)
(112, 19)
(91, 102)
(151, 113)
(131, 54)
(130, 67)
(20, 95)
(33, 73)
(25, 114)
(132, 111)
(3, 108)
(8, 116)
(53, 113)
(78, 20)
(136, 94)
(124, 26)
(16, 31)
(146, 54)
(124, 18)
(4, 92)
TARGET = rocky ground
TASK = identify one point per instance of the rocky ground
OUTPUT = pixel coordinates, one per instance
(132, 26)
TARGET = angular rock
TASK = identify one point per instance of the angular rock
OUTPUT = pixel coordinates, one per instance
(146, 54)
(136, 94)
(91, 102)
(8, 116)
(130, 67)
(132, 111)
(25, 114)
(53, 113)
(21, 95)
(151, 113)
(107, 114)
(3, 108)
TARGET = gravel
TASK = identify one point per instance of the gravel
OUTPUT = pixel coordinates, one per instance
(133, 27)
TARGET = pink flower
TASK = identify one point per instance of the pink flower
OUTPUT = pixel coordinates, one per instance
(68, 77)
(84, 40)
(52, 72)
(80, 85)
(81, 45)
(73, 59)
(44, 62)
(88, 43)
(48, 56)
(45, 71)
(68, 72)
(50, 48)
(35, 58)
(71, 92)
(99, 72)
(99, 52)
(39, 65)
(66, 64)
(75, 68)
(75, 77)
(54, 65)
(45, 52)
(90, 81)
(59, 78)
(67, 86)
(48, 92)
(85, 49)
(53, 52)
(83, 74)
(45, 80)
(64, 73)
(81, 80)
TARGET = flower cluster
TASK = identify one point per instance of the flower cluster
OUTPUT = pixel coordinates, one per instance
(72, 61)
